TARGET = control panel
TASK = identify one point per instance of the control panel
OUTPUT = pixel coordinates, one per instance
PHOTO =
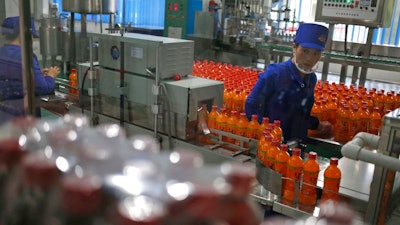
(370, 13)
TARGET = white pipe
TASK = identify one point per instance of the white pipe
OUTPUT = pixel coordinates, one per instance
(360, 148)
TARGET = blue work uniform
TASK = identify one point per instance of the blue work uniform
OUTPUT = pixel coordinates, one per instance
(281, 94)
(11, 84)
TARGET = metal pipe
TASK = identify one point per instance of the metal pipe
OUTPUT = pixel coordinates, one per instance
(156, 91)
(359, 148)
(28, 80)
(367, 53)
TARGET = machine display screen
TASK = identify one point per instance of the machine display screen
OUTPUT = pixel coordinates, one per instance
(358, 12)
(173, 6)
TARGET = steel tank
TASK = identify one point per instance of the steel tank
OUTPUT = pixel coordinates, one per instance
(50, 36)
(90, 6)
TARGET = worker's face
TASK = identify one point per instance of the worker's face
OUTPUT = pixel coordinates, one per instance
(306, 58)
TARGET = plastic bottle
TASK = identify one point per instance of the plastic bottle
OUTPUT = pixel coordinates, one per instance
(242, 128)
(293, 174)
(264, 148)
(332, 176)
(221, 122)
(308, 193)
(73, 82)
(364, 116)
(317, 112)
(281, 159)
(272, 151)
(253, 127)
(375, 122)
(277, 131)
(236, 104)
(263, 126)
(212, 119)
(232, 125)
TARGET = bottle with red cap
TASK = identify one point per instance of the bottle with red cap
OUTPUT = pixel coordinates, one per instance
(73, 82)
(308, 193)
(293, 175)
(332, 177)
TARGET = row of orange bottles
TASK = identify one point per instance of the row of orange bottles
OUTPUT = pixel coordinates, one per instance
(305, 175)
(330, 96)
(234, 99)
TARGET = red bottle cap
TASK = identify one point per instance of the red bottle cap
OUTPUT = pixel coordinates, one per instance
(296, 151)
(312, 155)
(334, 161)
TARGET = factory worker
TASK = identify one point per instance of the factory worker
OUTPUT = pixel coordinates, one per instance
(11, 84)
(285, 91)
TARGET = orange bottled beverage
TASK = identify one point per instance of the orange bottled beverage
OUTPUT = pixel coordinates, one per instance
(253, 128)
(364, 116)
(263, 126)
(229, 100)
(73, 82)
(343, 125)
(354, 122)
(231, 124)
(212, 119)
(281, 159)
(236, 101)
(277, 131)
(264, 148)
(293, 174)
(389, 102)
(261, 142)
(375, 122)
(317, 112)
(221, 122)
(332, 176)
(242, 99)
(242, 128)
(272, 151)
(308, 193)
(379, 101)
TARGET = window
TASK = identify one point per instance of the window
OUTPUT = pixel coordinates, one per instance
(134, 12)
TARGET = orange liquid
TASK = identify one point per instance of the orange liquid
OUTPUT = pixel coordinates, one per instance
(272, 151)
(242, 128)
(221, 122)
(73, 82)
(253, 128)
(293, 173)
(264, 148)
(277, 131)
(231, 125)
(375, 122)
(212, 119)
(281, 159)
(308, 193)
(332, 176)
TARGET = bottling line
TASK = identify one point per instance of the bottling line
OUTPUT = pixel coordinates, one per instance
(145, 83)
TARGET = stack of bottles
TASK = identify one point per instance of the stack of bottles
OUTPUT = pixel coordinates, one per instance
(352, 109)
(237, 124)
(302, 175)
(64, 172)
(238, 81)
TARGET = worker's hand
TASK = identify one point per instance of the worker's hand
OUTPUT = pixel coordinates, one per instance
(52, 71)
(326, 129)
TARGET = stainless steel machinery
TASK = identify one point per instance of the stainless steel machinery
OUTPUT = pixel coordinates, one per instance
(145, 80)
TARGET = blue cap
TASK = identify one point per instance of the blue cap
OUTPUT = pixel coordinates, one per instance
(10, 26)
(310, 35)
